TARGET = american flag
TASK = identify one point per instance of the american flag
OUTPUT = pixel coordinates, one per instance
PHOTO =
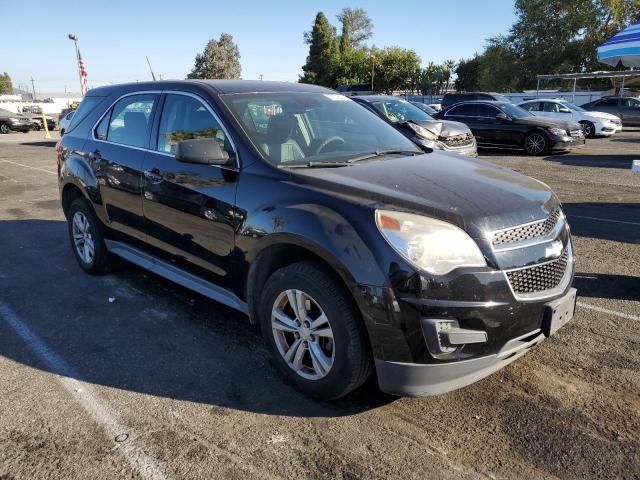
(83, 75)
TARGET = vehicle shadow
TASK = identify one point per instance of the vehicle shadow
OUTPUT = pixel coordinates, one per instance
(622, 161)
(134, 331)
(45, 143)
(599, 285)
(618, 222)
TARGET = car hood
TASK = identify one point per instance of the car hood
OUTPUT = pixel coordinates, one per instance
(475, 195)
(549, 122)
(444, 128)
(600, 115)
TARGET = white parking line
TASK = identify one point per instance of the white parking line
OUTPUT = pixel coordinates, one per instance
(624, 222)
(610, 312)
(82, 392)
(28, 166)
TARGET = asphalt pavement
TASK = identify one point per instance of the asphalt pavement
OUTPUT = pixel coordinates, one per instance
(130, 376)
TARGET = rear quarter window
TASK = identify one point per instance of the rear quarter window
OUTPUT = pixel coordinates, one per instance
(87, 106)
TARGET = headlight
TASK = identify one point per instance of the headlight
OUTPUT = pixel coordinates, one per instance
(423, 132)
(558, 132)
(432, 245)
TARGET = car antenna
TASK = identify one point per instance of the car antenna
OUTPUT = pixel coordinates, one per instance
(153, 75)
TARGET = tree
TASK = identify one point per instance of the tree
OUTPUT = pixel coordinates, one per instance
(498, 69)
(220, 60)
(395, 69)
(6, 86)
(468, 74)
(322, 50)
(356, 28)
(352, 66)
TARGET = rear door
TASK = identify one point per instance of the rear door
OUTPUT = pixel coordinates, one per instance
(189, 209)
(116, 149)
(609, 105)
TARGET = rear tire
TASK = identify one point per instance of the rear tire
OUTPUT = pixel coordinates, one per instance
(327, 354)
(536, 143)
(87, 241)
(589, 129)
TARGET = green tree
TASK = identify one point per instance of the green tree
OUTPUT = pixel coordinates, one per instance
(395, 69)
(356, 28)
(498, 68)
(352, 66)
(6, 86)
(220, 60)
(322, 51)
(468, 74)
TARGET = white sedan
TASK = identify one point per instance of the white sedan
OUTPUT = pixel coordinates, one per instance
(593, 123)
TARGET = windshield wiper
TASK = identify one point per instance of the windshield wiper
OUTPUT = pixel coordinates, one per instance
(381, 153)
(351, 161)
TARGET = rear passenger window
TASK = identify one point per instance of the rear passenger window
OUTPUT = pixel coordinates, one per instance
(609, 102)
(85, 108)
(462, 111)
(128, 121)
(532, 107)
(186, 118)
(486, 111)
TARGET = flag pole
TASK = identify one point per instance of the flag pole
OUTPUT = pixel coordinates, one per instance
(74, 37)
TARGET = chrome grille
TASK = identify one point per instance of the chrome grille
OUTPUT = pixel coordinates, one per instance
(527, 232)
(576, 133)
(539, 277)
(458, 140)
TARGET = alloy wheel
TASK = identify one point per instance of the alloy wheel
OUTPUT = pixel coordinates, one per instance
(535, 144)
(303, 334)
(82, 238)
(586, 128)
(4, 128)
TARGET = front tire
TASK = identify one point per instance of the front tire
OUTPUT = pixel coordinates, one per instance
(588, 129)
(87, 241)
(536, 143)
(4, 128)
(314, 331)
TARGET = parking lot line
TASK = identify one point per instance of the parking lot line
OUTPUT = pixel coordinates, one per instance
(82, 392)
(606, 310)
(624, 222)
(28, 166)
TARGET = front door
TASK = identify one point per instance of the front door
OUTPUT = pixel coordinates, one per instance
(189, 209)
(630, 110)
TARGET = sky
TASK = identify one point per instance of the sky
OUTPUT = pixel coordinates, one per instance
(116, 35)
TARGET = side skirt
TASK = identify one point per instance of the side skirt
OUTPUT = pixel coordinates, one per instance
(177, 275)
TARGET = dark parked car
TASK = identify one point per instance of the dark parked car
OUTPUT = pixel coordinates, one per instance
(330, 229)
(14, 121)
(450, 99)
(627, 108)
(504, 125)
(420, 127)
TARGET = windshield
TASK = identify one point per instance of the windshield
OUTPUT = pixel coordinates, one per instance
(514, 111)
(571, 106)
(302, 128)
(398, 110)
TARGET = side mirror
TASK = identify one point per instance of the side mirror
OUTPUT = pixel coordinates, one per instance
(564, 110)
(204, 151)
(502, 116)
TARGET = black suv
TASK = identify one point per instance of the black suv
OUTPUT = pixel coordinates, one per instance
(450, 99)
(353, 250)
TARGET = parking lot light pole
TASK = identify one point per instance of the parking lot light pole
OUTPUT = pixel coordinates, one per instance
(373, 67)
(74, 37)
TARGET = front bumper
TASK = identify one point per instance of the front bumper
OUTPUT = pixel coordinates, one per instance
(413, 379)
(20, 127)
(565, 143)
(469, 150)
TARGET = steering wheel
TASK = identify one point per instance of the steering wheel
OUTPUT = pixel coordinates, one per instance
(327, 142)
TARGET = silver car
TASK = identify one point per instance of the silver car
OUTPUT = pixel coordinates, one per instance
(627, 108)
(419, 126)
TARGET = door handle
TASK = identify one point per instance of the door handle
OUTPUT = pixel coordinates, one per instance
(153, 176)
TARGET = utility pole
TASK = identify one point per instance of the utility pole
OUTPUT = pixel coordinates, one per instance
(261, 76)
(33, 86)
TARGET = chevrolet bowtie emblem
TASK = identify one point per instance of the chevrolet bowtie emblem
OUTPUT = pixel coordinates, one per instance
(554, 250)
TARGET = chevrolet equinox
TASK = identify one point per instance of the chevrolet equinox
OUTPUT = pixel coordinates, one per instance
(353, 250)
